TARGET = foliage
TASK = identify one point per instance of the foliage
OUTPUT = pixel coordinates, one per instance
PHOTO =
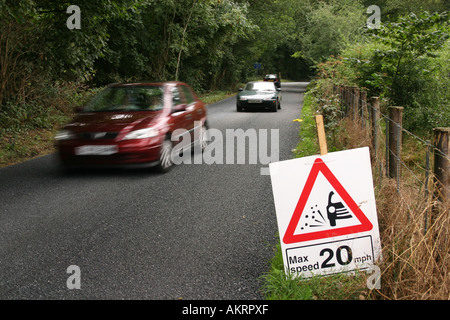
(391, 10)
(190, 41)
(330, 26)
(208, 43)
(413, 38)
(405, 63)
(36, 46)
(407, 71)
(194, 41)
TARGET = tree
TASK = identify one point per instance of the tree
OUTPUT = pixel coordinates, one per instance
(405, 71)
(329, 27)
(406, 62)
(170, 39)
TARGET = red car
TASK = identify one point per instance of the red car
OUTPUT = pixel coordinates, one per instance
(132, 124)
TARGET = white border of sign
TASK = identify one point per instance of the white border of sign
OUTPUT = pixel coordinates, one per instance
(328, 254)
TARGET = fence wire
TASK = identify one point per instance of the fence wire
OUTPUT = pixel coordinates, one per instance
(364, 111)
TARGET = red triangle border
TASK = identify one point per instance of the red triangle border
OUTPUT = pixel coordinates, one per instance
(320, 166)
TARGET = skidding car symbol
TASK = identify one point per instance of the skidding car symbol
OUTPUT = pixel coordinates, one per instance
(336, 210)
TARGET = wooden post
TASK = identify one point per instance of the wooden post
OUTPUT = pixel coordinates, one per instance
(355, 115)
(349, 100)
(375, 103)
(346, 101)
(442, 163)
(355, 107)
(363, 96)
(427, 179)
(321, 134)
(341, 98)
(387, 153)
(395, 140)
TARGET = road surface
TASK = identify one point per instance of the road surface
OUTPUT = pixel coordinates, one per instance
(198, 232)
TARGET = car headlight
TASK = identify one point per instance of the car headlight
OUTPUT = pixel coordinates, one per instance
(270, 98)
(64, 135)
(141, 134)
(243, 98)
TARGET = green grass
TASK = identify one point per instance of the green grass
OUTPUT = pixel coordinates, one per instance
(279, 286)
(215, 96)
(308, 144)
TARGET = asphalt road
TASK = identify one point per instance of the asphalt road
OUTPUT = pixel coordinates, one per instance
(199, 232)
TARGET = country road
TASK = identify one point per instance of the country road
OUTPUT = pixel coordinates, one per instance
(198, 232)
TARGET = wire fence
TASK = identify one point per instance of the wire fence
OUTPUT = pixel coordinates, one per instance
(425, 165)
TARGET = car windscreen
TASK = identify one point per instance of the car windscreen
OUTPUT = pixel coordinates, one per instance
(136, 98)
(259, 86)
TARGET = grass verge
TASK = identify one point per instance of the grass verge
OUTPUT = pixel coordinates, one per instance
(278, 286)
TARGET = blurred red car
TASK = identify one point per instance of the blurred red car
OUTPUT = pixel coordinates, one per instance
(132, 125)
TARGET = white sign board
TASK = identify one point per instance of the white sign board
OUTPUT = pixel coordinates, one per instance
(326, 213)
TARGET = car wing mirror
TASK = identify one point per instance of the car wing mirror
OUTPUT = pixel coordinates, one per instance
(240, 89)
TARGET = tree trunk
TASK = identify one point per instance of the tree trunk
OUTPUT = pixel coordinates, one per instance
(182, 39)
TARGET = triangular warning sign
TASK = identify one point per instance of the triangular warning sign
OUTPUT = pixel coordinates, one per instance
(337, 219)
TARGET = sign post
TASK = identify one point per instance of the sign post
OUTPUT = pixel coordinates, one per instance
(257, 67)
(326, 213)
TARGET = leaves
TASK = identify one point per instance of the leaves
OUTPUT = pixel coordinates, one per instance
(406, 63)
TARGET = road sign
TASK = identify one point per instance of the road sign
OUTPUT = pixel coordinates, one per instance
(326, 212)
(316, 222)
(257, 65)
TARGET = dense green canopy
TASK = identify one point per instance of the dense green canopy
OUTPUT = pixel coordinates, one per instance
(208, 43)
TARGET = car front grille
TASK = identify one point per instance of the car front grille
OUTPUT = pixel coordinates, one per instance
(97, 135)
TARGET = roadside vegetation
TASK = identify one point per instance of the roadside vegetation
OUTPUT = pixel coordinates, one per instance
(415, 263)
(405, 63)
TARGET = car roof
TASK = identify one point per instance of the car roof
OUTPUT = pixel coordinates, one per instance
(263, 82)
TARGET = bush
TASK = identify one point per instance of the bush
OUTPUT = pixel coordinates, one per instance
(405, 63)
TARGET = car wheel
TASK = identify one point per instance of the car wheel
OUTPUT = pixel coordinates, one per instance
(202, 140)
(275, 108)
(239, 109)
(204, 137)
(279, 105)
(165, 158)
